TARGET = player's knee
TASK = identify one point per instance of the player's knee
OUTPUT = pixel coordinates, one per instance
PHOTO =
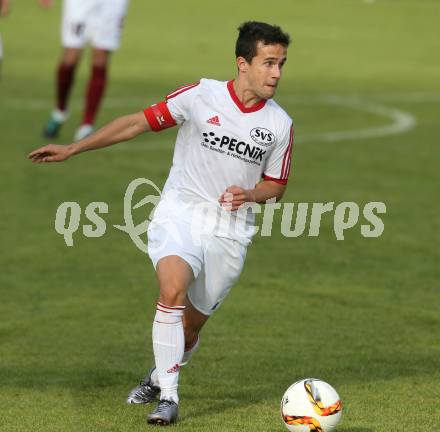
(172, 294)
(71, 57)
(99, 63)
(69, 62)
(100, 58)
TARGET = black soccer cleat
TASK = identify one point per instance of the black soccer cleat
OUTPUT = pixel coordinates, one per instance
(145, 392)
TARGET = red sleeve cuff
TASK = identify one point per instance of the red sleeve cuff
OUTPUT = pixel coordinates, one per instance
(279, 181)
(159, 117)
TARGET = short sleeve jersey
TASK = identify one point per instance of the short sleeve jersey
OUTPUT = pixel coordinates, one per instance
(221, 142)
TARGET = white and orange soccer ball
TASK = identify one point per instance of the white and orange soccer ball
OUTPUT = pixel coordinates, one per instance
(311, 405)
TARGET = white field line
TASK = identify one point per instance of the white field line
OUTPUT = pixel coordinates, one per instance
(414, 97)
(140, 103)
(410, 97)
(401, 122)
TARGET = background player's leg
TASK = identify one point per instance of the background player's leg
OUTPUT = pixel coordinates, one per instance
(95, 91)
(64, 81)
(66, 74)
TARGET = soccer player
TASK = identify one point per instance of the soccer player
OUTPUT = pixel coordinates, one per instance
(100, 23)
(233, 147)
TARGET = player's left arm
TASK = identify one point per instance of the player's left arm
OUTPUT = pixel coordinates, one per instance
(275, 175)
(235, 196)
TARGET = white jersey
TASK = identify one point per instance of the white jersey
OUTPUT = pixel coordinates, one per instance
(222, 143)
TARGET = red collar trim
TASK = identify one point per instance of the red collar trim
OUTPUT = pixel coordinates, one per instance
(237, 101)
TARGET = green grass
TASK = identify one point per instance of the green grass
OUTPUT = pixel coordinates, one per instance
(360, 313)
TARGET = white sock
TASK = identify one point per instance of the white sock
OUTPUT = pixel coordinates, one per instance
(185, 360)
(59, 116)
(168, 347)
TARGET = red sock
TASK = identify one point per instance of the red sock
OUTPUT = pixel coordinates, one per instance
(95, 91)
(65, 76)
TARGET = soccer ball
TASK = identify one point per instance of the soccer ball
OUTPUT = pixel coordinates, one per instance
(311, 405)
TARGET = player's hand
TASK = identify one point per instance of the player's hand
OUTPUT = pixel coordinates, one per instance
(46, 3)
(50, 153)
(4, 7)
(234, 197)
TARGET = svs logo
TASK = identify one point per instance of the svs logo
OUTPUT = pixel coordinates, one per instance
(262, 136)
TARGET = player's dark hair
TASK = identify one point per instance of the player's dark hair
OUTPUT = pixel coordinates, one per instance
(252, 32)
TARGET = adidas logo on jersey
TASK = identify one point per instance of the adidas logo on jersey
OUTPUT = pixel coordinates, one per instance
(214, 121)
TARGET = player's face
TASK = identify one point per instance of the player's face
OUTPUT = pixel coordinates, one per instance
(264, 71)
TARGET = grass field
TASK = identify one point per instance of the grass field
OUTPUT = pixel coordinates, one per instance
(362, 83)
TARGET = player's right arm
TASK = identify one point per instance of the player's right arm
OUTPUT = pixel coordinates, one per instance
(121, 129)
(174, 110)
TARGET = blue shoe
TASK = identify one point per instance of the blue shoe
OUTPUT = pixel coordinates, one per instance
(53, 126)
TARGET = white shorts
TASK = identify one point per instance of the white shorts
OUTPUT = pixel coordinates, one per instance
(216, 261)
(96, 21)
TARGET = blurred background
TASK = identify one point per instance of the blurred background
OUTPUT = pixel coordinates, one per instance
(362, 84)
